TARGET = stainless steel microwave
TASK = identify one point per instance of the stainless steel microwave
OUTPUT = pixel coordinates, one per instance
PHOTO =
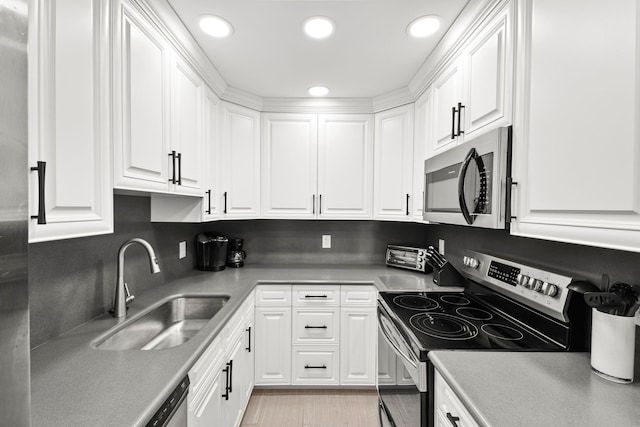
(469, 184)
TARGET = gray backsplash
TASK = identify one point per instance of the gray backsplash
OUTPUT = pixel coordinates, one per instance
(72, 281)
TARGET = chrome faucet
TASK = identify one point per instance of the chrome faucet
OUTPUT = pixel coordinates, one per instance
(123, 296)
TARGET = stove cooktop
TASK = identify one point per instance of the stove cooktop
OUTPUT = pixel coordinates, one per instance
(456, 321)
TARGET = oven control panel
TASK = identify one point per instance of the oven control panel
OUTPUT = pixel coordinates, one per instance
(544, 290)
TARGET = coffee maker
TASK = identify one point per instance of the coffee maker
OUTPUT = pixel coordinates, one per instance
(211, 251)
(236, 254)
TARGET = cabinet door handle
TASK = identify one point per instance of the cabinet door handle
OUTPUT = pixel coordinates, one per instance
(179, 156)
(453, 123)
(315, 327)
(407, 203)
(509, 196)
(460, 108)
(320, 205)
(173, 167)
(315, 367)
(230, 363)
(452, 419)
(316, 296)
(42, 215)
(249, 347)
(313, 203)
(209, 205)
(226, 385)
(225, 202)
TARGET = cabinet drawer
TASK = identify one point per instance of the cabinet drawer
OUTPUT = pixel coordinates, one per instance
(204, 371)
(316, 295)
(316, 326)
(315, 365)
(358, 295)
(273, 295)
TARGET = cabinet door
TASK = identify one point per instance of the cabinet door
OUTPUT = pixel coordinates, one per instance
(421, 143)
(186, 127)
(358, 330)
(576, 157)
(209, 409)
(273, 346)
(70, 119)
(393, 163)
(345, 166)
(211, 168)
(447, 93)
(241, 162)
(141, 140)
(248, 359)
(289, 165)
(234, 406)
(489, 78)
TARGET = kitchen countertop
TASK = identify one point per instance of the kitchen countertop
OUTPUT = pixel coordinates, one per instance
(72, 383)
(537, 389)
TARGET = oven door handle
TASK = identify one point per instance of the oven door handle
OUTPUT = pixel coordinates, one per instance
(385, 331)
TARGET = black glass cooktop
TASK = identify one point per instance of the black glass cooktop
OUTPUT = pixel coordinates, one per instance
(454, 320)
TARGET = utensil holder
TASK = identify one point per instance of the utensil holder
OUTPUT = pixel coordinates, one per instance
(613, 341)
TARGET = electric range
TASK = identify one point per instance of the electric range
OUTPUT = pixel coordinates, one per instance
(505, 306)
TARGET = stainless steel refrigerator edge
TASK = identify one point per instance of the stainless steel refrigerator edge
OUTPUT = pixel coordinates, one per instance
(14, 291)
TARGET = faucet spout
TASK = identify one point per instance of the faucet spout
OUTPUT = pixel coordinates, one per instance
(122, 295)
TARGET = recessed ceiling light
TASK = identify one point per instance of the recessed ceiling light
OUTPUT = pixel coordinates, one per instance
(318, 91)
(424, 26)
(215, 26)
(318, 27)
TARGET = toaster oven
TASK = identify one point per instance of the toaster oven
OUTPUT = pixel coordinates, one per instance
(408, 256)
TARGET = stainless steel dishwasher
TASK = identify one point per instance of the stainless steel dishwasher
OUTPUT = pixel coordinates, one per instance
(173, 412)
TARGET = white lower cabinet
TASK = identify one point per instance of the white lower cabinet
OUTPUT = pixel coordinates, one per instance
(449, 409)
(222, 379)
(315, 335)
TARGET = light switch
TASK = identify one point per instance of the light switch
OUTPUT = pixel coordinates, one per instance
(182, 249)
(441, 246)
(326, 241)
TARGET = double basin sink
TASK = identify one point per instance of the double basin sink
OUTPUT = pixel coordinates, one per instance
(170, 324)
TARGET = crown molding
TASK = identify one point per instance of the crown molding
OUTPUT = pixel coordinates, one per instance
(317, 105)
(393, 99)
(242, 98)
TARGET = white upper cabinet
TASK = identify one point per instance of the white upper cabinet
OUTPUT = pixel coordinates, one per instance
(141, 140)
(421, 140)
(317, 166)
(187, 93)
(289, 165)
(158, 115)
(69, 119)
(212, 133)
(393, 197)
(473, 94)
(241, 162)
(345, 166)
(576, 156)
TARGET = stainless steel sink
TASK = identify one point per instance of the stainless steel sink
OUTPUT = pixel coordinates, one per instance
(168, 325)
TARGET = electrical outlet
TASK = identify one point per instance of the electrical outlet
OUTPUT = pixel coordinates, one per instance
(441, 246)
(326, 241)
(182, 249)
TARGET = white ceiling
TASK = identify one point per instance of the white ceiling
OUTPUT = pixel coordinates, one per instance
(268, 55)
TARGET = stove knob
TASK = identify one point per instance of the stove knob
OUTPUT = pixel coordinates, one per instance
(471, 262)
(537, 285)
(529, 283)
(521, 279)
(549, 289)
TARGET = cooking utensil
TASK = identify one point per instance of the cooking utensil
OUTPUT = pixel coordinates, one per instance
(603, 301)
(627, 296)
(437, 257)
(433, 262)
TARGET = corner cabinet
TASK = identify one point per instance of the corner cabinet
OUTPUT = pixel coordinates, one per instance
(576, 157)
(158, 119)
(393, 197)
(69, 83)
(449, 409)
(317, 166)
(241, 162)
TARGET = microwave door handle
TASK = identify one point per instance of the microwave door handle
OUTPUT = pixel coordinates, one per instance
(471, 155)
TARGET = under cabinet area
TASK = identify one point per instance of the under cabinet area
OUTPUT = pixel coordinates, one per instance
(315, 335)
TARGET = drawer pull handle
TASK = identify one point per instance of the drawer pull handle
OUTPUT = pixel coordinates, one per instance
(315, 327)
(42, 216)
(316, 296)
(452, 419)
(315, 367)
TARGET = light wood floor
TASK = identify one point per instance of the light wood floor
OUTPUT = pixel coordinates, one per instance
(312, 408)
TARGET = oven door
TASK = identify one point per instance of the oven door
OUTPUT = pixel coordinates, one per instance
(467, 185)
(402, 379)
